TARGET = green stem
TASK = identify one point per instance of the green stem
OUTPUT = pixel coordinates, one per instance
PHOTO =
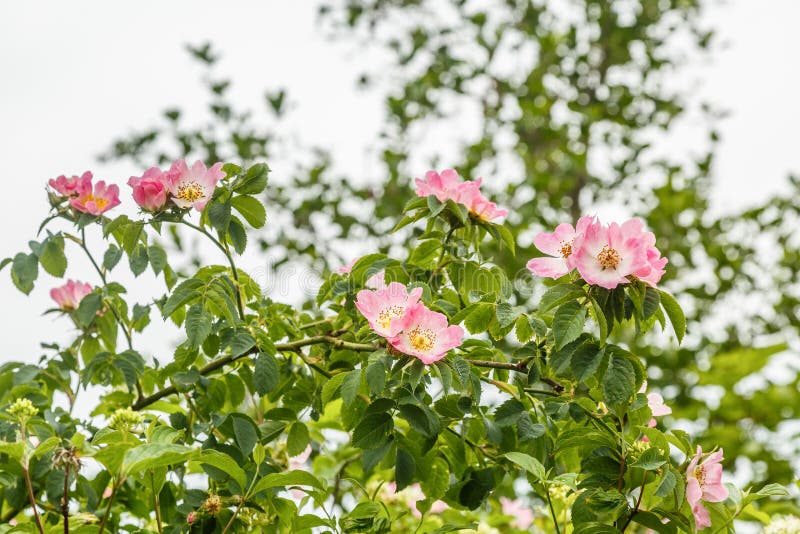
(552, 510)
(638, 503)
(225, 250)
(103, 522)
(156, 503)
(32, 498)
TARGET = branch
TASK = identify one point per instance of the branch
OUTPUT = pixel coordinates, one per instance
(291, 346)
(520, 367)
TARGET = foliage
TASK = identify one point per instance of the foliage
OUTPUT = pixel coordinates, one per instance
(279, 419)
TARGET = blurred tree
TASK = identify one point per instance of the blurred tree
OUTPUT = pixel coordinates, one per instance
(567, 100)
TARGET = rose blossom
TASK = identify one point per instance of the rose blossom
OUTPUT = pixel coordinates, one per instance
(95, 200)
(70, 295)
(704, 483)
(558, 245)
(385, 307)
(606, 255)
(448, 186)
(150, 190)
(193, 187)
(70, 187)
(426, 334)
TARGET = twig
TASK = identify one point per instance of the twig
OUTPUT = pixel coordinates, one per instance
(65, 499)
(32, 498)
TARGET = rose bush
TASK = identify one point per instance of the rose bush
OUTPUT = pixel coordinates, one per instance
(375, 410)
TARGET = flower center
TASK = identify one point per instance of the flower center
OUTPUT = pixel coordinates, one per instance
(566, 249)
(608, 258)
(387, 314)
(190, 191)
(422, 339)
(700, 474)
(100, 202)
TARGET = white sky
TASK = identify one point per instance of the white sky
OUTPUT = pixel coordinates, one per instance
(75, 75)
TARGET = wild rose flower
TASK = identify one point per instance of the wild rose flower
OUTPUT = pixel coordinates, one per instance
(656, 404)
(653, 269)
(345, 269)
(426, 334)
(377, 280)
(191, 517)
(557, 245)
(384, 308)
(448, 186)
(469, 194)
(523, 516)
(606, 255)
(193, 187)
(70, 187)
(704, 483)
(150, 190)
(70, 295)
(95, 200)
(443, 186)
(410, 496)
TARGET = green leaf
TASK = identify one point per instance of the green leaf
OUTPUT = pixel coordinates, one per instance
(224, 463)
(585, 360)
(245, 433)
(332, 387)
(298, 438)
(198, 325)
(24, 271)
(52, 257)
(404, 469)
(650, 460)
(568, 323)
(350, 385)
(560, 294)
(376, 377)
(666, 484)
(509, 413)
(523, 329)
(373, 431)
(88, 308)
(265, 374)
(152, 455)
(158, 258)
(254, 180)
(421, 419)
(289, 478)
(251, 209)
(238, 235)
(675, 314)
(479, 318)
(619, 382)
(138, 259)
(424, 255)
(505, 314)
(111, 257)
(184, 293)
(219, 215)
(528, 463)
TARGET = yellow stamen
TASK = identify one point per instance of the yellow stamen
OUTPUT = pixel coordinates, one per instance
(608, 258)
(566, 249)
(387, 314)
(190, 191)
(100, 202)
(422, 339)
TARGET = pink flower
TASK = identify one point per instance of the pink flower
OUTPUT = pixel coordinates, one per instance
(192, 517)
(606, 255)
(523, 516)
(443, 186)
(470, 195)
(410, 496)
(704, 483)
(448, 186)
(70, 295)
(193, 187)
(345, 269)
(150, 191)
(653, 269)
(656, 403)
(384, 308)
(377, 280)
(425, 334)
(70, 187)
(97, 200)
(107, 492)
(297, 462)
(558, 245)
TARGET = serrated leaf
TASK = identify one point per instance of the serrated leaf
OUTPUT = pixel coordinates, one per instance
(404, 469)
(289, 478)
(254, 180)
(251, 209)
(265, 374)
(560, 294)
(245, 433)
(184, 293)
(298, 438)
(568, 323)
(528, 463)
(197, 324)
(373, 431)
(479, 318)
(24, 271)
(219, 215)
(111, 257)
(52, 257)
(675, 314)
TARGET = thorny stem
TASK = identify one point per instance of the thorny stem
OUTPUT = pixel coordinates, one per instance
(225, 250)
(291, 346)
